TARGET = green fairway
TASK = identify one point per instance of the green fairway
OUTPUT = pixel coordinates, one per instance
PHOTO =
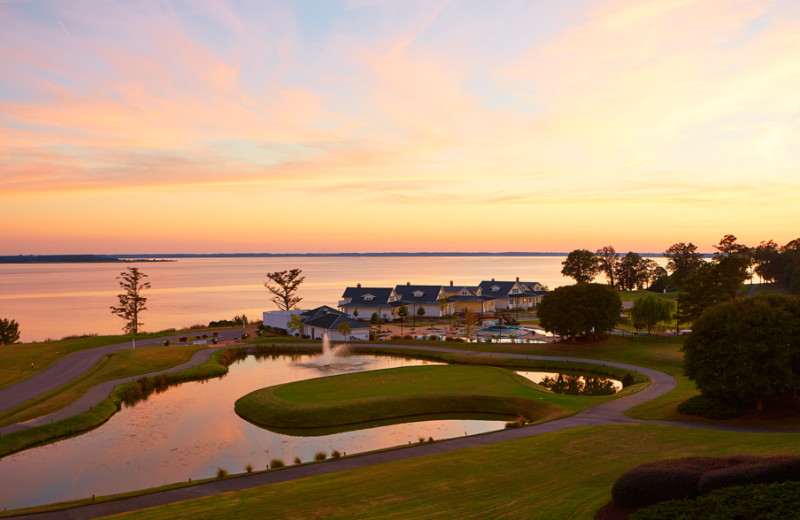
(405, 392)
(564, 475)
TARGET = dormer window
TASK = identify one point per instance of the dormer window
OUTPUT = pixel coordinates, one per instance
(464, 293)
(514, 291)
(368, 297)
(495, 288)
(418, 294)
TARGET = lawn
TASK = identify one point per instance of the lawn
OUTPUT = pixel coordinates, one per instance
(565, 475)
(124, 363)
(16, 359)
(351, 399)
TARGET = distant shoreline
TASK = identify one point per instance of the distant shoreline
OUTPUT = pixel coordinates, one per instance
(41, 259)
(75, 259)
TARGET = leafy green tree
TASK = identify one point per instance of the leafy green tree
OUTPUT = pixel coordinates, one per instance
(284, 285)
(295, 325)
(402, 312)
(421, 312)
(649, 311)
(355, 313)
(764, 258)
(608, 262)
(632, 272)
(344, 329)
(470, 320)
(746, 350)
(683, 260)
(131, 302)
(701, 290)
(580, 310)
(375, 319)
(581, 265)
(9, 331)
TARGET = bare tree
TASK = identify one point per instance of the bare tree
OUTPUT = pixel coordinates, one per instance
(131, 302)
(284, 286)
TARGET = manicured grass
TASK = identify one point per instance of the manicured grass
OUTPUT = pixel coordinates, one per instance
(566, 474)
(124, 363)
(405, 392)
(16, 359)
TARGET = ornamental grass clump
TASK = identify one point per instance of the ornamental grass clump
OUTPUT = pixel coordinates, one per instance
(320, 455)
(249, 468)
(335, 454)
(276, 463)
(222, 473)
(297, 460)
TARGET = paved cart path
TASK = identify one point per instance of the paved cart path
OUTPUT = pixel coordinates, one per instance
(610, 412)
(73, 366)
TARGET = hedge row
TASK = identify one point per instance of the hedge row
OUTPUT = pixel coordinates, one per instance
(691, 477)
(705, 406)
(778, 501)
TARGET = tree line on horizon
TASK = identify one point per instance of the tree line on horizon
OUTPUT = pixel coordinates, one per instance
(699, 283)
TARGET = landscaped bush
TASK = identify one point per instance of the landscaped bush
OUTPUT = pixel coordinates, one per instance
(222, 473)
(642, 486)
(396, 337)
(705, 406)
(297, 460)
(408, 336)
(249, 468)
(320, 455)
(335, 454)
(764, 502)
(276, 463)
(766, 471)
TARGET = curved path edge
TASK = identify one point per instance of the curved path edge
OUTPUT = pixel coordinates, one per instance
(610, 412)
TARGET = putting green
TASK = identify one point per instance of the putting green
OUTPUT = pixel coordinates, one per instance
(407, 392)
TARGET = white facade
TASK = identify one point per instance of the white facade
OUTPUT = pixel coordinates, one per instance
(279, 319)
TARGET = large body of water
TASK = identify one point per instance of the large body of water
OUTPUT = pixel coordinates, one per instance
(56, 300)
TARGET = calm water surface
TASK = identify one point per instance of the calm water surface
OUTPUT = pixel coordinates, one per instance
(55, 300)
(191, 430)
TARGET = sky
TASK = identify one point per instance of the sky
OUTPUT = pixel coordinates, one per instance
(379, 125)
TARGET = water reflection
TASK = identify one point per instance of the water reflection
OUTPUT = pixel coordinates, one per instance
(190, 431)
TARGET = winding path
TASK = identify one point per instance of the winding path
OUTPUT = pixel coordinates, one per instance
(73, 366)
(610, 412)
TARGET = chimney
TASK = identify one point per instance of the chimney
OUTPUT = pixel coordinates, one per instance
(359, 285)
(492, 279)
(451, 283)
(517, 279)
(408, 283)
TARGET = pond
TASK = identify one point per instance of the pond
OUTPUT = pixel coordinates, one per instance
(191, 430)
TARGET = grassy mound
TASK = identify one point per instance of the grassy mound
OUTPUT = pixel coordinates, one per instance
(401, 392)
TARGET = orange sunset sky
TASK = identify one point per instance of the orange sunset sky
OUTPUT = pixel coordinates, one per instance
(372, 125)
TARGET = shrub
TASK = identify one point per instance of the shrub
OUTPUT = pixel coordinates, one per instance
(395, 336)
(222, 473)
(335, 454)
(764, 471)
(706, 406)
(276, 463)
(320, 455)
(433, 338)
(166, 342)
(627, 380)
(249, 468)
(182, 339)
(765, 502)
(297, 460)
(430, 439)
(408, 336)
(644, 486)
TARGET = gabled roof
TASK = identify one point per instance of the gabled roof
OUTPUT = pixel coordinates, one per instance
(497, 289)
(332, 321)
(368, 297)
(320, 311)
(419, 294)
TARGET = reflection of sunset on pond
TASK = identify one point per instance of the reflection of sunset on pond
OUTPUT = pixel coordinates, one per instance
(191, 430)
